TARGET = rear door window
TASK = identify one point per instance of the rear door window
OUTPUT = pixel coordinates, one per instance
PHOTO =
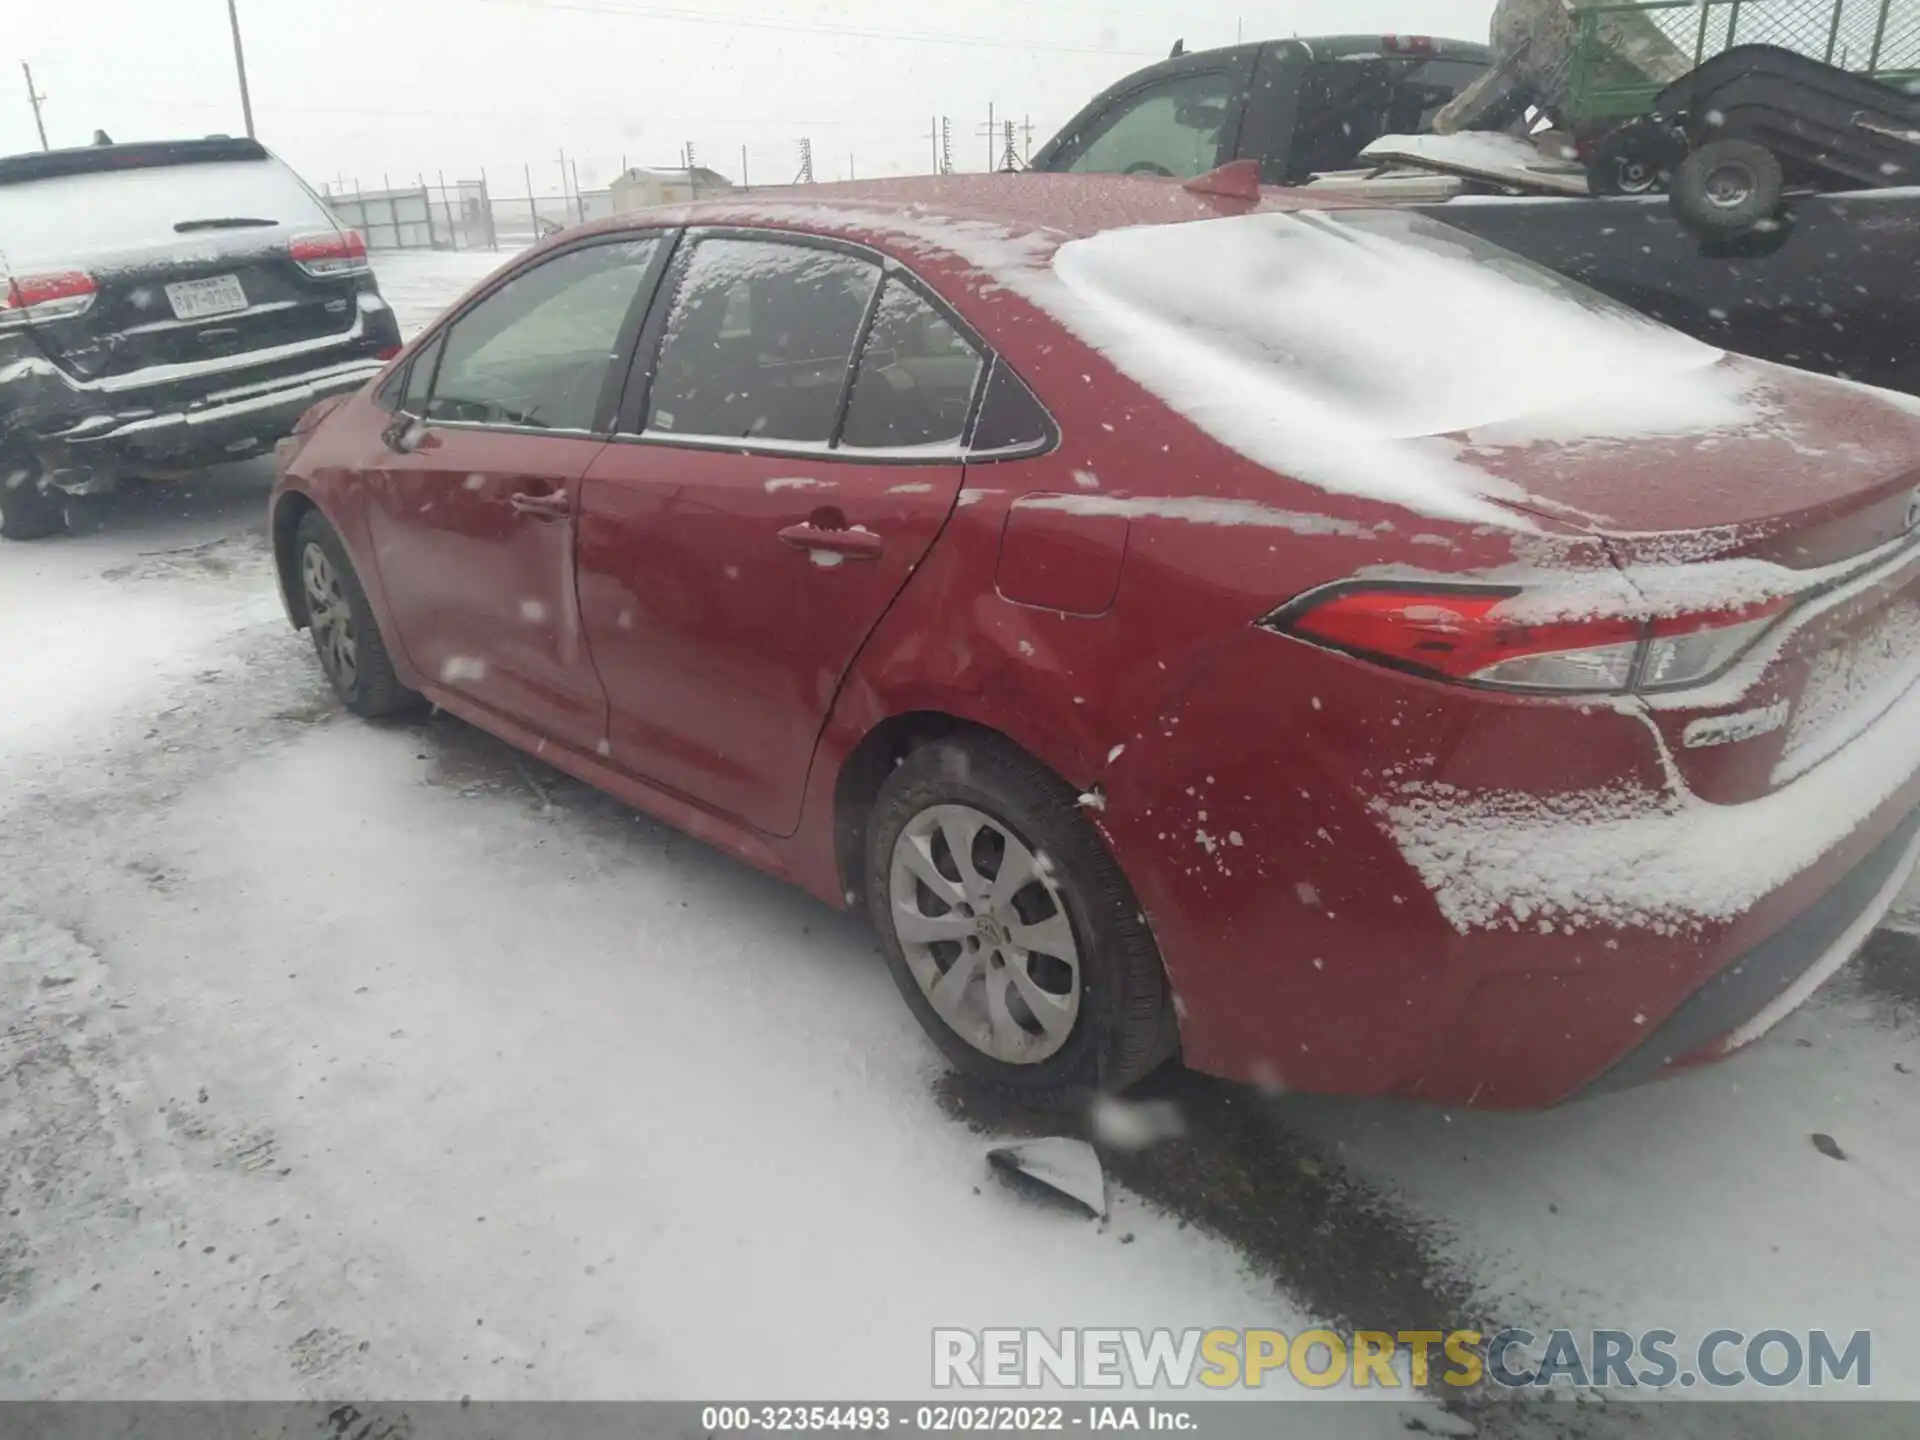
(1174, 127)
(916, 378)
(759, 340)
(538, 352)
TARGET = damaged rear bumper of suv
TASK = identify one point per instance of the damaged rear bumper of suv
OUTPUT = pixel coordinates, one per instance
(227, 423)
(83, 433)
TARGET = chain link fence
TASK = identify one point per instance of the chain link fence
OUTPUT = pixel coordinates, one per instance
(472, 215)
(460, 215)
(1871, 35)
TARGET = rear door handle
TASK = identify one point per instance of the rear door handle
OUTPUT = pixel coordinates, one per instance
(854, 544)
(548, 505)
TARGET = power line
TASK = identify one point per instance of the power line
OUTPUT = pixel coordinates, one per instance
(914, 37)
(729, 121)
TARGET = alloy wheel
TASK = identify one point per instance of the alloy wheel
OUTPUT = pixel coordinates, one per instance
(330, 615)
(985, 932)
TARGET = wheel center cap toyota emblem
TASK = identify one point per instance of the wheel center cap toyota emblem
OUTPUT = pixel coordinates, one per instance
(989, 930)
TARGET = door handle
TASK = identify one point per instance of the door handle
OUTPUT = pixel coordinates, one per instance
(547, 505)
(854, 544)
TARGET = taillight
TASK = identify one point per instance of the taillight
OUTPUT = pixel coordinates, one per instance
(1407, 44)
(1483, 635)
(330, 253)
(58, 296)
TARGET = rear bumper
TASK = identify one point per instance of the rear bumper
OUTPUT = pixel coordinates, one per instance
(180, 414)
(1761, 988)
(234, 422)
(1482, 943)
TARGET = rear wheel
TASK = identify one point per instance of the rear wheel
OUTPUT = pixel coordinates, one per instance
(1727, 187)
(1635, 159)
(28, 511)
(1010, 931)
(345, 635)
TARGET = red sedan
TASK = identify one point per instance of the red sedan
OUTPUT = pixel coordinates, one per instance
(1310, 642)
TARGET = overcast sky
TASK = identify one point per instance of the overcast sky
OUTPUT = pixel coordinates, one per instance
(348, 89)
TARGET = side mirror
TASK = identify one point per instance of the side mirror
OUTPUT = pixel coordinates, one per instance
(402, 433)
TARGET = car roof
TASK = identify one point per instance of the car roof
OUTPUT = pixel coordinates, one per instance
(140, 155)
(1059, 207)
(1399, 47)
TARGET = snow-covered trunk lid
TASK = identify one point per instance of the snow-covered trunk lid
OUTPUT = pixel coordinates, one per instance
(1798, 503)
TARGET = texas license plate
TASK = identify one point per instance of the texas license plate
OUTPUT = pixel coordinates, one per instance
(197, 299)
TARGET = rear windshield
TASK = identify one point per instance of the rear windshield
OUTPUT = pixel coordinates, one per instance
(72, 218)
(1391, 320)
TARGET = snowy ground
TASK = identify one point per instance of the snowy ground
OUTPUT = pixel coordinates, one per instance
(343, 1058)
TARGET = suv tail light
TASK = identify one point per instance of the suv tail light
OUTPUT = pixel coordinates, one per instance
(1480, 636)
(330, 254)
(60, 296)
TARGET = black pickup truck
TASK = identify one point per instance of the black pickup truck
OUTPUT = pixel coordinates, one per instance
(1835, 288)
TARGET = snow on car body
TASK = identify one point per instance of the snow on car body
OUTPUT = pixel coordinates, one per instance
(1425, 638)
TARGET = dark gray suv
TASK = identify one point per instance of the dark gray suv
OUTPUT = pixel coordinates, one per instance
(162, 307)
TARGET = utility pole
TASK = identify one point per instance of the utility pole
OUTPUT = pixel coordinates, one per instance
(1010, 159)
(805, 177)
(946, 146)
(745, 184)
(850, 174)
(486, 210)
(693, 185)
(34, 97)
(240, 64)
(446, 203)
(1026, 134)
(992, 132)
(579, 200)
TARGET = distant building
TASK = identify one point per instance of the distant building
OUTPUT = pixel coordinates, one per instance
(638, 189)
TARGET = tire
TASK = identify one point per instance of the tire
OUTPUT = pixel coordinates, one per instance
(355, 658)
(1727, 188)
(1108, 1018)
(27, 511)
(1636, 159)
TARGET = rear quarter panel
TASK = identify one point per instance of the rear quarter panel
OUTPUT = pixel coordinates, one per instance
(1230, 770)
